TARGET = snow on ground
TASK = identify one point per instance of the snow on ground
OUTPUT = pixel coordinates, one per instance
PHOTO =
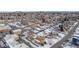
(10, 39)
(50, 39)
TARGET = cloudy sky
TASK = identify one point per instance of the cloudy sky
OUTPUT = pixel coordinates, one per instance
(39, 5)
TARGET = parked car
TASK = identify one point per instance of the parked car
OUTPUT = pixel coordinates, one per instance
(75, 40)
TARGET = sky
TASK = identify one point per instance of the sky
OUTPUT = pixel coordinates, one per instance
(39, 5)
